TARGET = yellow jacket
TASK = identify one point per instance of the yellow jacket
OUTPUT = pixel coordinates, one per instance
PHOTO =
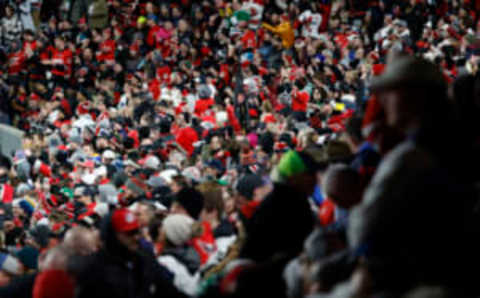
(285, 31)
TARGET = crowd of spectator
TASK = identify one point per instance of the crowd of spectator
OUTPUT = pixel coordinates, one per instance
(227, 148)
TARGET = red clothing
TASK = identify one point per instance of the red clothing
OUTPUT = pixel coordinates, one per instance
(326, 212)
(63, 60)
(163, 73)
(202, 105)
(6, 191)
(233, 119)
(248, 40)
(108, 51)
(205, 244)
(185, 137)
(16, 62)
(300, 101)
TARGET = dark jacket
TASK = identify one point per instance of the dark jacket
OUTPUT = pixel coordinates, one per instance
(21, 287)
(279, 226)
(116, 272)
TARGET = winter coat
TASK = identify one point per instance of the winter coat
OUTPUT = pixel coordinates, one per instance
(116, 272)
(21, 287)
(184, 263)
(98, 14)
(285, 31)
(279, 225)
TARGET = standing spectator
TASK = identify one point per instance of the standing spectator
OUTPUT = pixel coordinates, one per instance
(11, 27)
(25, 12)
(118, 268)
(98, 14)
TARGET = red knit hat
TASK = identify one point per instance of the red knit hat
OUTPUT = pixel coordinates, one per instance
(53, 284)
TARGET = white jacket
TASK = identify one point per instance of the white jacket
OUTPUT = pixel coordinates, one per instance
(183, 280)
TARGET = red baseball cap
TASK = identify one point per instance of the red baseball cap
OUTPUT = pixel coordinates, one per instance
(123, 220)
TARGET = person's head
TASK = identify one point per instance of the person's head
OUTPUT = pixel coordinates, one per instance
(213, 206)
(28, 35)
(126, 228)
(412, 92)
(249, 188)
(353, 132)
(177, 230)
(188, 201)
(145, 212)
(216, 143)
(9, 10)
(342, 185)
(83, 195)
(59, 43)
(298, 169)
(55, 258)
(107, 157)
(81, 241)
(178, 183)
(213, 169)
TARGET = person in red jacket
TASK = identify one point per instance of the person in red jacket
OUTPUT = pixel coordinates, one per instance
(60, 61)
(6, 190)
(204, 102)
(300, 100)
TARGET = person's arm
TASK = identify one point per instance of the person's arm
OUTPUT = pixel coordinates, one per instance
(270, 27)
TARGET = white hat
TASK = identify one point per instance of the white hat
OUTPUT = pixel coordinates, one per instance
(178, 228)
(192, 173)
(108, 154)
(152, 162)
(168, 174)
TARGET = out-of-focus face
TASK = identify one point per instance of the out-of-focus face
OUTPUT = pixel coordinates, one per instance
(176, 208)
(131, 239)
(149, 7)
(59, 44)
(398, 111)
(88, 54)
(182, 26)
(8, 11)
(144, 215)
(176, 13)
(215, 143)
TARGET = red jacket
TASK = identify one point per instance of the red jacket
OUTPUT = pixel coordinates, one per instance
(202, 105)
(300, 101)
(64, 59)
(16, 62)
(185, 137)
(108, 51)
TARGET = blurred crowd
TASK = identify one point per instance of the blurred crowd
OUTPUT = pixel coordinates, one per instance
(227, 148)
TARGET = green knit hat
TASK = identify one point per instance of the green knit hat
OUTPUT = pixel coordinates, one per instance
(290, 164)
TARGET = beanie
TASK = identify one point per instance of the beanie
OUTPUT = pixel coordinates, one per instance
(178, 228)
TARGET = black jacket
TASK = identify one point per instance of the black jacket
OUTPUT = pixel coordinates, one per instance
(280, 225)
(115, 272)
(21, 287)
